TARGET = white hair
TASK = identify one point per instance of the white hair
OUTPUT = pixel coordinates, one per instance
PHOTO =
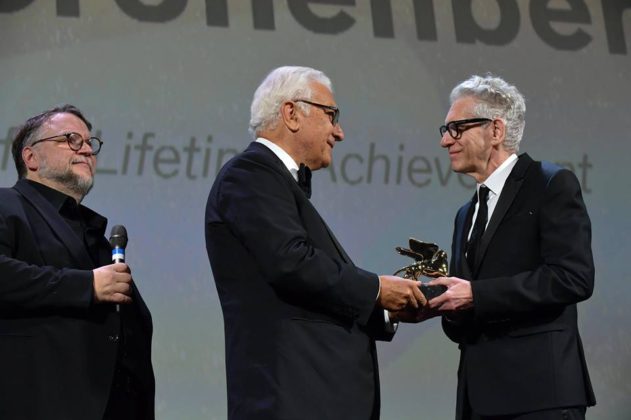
(495, 98)
(282, 84)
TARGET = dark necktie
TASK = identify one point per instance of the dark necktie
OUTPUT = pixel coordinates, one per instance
(304, 179)
(478, 227)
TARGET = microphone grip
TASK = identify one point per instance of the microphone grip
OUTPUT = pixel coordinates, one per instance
(118, 255)
(118, 242)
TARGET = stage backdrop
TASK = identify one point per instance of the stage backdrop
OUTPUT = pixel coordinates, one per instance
(168, 86)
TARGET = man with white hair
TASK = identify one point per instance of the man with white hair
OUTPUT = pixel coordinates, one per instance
(300, 318)
(521, 261)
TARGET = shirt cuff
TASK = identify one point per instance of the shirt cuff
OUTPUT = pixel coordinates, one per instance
(389, 326)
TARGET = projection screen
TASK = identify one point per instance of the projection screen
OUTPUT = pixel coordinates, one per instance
(168, 86)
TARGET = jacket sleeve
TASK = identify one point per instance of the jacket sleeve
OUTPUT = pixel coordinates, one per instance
(259, 206)
(27, 286)
(456, 325)
(376, 326)
(565, 274)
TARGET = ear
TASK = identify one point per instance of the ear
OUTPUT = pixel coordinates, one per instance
(31, 160)
(499, 131)
(289, 116)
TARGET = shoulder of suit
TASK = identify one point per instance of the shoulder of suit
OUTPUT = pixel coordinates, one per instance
(9, 199)
(546, 168)
(254, 166)
(549, 169)
(8, 192)
(259, 155)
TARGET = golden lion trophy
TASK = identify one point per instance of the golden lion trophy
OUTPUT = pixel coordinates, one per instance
(430, 261)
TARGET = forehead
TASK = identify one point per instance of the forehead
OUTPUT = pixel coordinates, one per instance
(322, 94)
(461, 108)
(63, 123)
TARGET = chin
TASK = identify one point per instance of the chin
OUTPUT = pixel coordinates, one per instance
(324, 164)
(457, 166)
(83, 180)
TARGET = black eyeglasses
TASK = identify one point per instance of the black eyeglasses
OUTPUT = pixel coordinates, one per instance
(75, 142)
(334, 115)
(456, 128)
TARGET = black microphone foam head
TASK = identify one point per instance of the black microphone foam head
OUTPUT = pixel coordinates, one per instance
(118, 237)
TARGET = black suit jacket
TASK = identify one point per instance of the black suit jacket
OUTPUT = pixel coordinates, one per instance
(300, 318)
(520, 346)
(57, 348)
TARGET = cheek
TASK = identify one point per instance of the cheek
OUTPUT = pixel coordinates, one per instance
(54, 163)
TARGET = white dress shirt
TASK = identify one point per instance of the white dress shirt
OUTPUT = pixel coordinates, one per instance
(495, 183)
(287, 160)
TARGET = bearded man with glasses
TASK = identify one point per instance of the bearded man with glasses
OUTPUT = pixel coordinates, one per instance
(521, 261)
(75, 334)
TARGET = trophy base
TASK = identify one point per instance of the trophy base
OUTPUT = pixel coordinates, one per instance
(431, 292)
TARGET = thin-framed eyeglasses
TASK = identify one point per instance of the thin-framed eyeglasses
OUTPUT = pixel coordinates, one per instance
(75, 142)
(456, 128)
(334, 115)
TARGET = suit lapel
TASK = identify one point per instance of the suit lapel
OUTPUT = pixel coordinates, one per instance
(463, 225)
(56, 223)
(270, 159)
(339, 248)
(509, 192)
(273, 160)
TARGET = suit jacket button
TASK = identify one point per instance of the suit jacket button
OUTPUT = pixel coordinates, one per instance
(113, 338)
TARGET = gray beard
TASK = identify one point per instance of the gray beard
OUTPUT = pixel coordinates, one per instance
(67, 179)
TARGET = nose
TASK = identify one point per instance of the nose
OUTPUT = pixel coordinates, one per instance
(338, 133)
(446, 140)
(85, 149)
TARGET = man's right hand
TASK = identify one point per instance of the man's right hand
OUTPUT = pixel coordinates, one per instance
(112, 283)
(397, 293)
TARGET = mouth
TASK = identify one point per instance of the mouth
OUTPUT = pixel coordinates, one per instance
(453, 152)
(83, 163)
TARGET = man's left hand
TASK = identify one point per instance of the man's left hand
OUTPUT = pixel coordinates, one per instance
(457, 297)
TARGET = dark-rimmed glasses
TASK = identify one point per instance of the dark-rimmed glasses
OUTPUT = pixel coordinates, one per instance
(456, 128)
(334, 116)
(75, 142)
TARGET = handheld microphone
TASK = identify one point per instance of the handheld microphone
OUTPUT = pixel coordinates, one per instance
(118, 242)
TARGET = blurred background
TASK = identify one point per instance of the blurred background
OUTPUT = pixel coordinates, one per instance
(168, 85)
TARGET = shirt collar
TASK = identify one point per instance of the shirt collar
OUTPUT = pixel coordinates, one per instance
(53, 196)
(287, 160)
(61, 201)
(495, 182)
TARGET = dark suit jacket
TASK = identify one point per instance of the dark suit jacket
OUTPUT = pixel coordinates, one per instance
(520, 346)
(300, 318)
(58, 349)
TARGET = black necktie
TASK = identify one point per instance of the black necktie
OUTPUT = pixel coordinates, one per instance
(478, 227)
(304, 179)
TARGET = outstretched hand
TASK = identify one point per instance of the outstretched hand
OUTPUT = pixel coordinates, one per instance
(457, 297)
(397, 293)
